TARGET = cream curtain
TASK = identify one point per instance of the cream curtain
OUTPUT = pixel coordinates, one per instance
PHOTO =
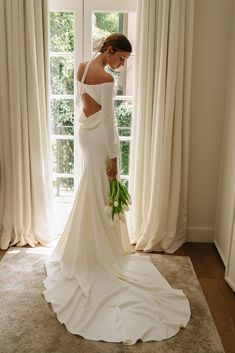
(160, 132)
(26, 215)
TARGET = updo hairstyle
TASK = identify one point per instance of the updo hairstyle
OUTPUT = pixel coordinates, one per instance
(118, 42)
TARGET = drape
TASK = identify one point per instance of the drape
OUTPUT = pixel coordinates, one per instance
(26, 213)
(159, 148)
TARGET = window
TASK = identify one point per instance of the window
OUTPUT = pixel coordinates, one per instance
(76, 28)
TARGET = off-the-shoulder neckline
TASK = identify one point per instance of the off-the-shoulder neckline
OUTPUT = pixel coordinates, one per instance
(97, 84)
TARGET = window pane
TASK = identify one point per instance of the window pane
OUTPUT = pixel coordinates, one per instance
(62, 116)
(61, 32)
(123, 111)
(63, 156)
(63, 186)
(62, 71)
(124, 157)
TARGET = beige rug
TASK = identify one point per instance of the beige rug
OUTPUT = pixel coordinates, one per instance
(28, 324)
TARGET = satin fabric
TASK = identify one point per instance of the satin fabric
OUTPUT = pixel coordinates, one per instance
(96, 285)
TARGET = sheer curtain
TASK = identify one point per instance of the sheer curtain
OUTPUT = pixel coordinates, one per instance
(26, 215)
(160, 142)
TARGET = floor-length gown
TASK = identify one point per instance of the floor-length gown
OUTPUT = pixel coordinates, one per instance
(98, 287)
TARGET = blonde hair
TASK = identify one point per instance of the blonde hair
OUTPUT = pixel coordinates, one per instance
(118, 42)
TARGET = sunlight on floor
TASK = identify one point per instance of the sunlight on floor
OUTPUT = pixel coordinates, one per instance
(39, 250)
(62, 207)
(13, 251)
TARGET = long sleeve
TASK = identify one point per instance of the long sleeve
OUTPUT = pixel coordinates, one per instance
(109, 119)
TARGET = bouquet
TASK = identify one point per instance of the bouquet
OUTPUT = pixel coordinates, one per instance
(118, 201)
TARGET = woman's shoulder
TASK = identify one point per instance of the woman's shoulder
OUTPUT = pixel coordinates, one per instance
(95, 74)
(106, 77)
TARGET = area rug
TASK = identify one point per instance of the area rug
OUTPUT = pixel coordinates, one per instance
(28, 324)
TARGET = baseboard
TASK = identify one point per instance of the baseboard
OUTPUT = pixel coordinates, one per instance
(200, 234)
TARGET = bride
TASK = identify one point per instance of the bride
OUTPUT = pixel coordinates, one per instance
(97, 285)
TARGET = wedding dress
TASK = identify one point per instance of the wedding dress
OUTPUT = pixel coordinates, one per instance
(98, 287)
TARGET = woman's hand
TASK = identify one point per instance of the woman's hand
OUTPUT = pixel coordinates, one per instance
(112, 168)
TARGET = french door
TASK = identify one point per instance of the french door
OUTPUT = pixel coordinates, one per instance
(76, 28)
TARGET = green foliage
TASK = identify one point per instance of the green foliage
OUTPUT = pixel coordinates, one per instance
(62, 111)
(108, 21)
(123, 113)
(61, 32)
(62, 75)
(125, 146)
(63, 162)
(63, 156)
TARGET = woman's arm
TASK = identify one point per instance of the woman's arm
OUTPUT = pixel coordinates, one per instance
(109, 127)
(108, 119)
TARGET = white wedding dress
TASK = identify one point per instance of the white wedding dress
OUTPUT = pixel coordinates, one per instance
(98, 287)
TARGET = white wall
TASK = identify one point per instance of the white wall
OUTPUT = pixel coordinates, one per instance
(211, 52)
(226, 190)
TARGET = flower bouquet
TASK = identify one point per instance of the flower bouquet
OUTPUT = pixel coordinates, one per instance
(118, 201)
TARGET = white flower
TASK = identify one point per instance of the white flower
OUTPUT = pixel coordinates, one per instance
(118, 200)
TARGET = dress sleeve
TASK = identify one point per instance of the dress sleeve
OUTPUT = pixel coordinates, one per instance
(109, 124)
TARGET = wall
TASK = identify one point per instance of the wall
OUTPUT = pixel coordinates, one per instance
(211, 52)
(226, 190)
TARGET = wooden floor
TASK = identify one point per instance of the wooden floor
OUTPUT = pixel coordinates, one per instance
(220, 297)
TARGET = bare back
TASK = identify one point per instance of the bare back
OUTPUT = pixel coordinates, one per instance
(95, 75)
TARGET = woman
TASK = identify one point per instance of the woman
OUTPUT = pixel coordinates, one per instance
(96, 285)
